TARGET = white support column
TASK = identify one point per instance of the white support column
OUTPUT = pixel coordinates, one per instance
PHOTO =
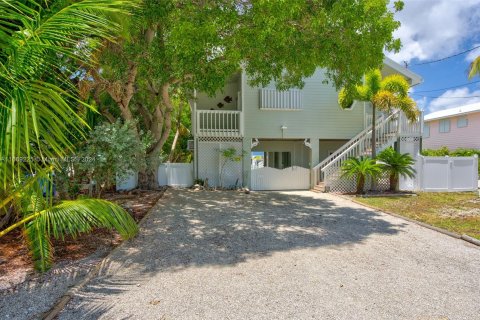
(246, 161)
(194, 112)
(314, 158)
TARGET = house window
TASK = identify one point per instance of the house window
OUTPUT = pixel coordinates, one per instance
(426, 130)
(462, 122)
(279, 160)
(444, 126)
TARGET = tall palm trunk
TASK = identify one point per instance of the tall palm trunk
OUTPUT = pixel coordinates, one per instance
(374, 142)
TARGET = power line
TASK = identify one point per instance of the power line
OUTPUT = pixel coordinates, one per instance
(445, 58)
(460, 85)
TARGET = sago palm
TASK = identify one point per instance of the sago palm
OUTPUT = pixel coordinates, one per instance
(41, 46)
(396, 164)
(360, 169)
(384, 94)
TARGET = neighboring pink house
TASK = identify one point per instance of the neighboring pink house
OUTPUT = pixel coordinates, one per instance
(454, 128)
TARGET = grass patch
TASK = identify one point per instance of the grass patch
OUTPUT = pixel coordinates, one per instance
(457, 212)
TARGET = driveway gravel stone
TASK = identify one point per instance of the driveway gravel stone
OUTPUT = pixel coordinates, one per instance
(281, 255)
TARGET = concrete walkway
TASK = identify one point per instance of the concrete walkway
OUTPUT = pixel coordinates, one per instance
(296, 255)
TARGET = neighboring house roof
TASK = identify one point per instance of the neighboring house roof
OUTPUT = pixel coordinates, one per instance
(414, 78)
(475, 107)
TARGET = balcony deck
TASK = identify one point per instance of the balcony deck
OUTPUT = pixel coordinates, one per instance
(219, 123)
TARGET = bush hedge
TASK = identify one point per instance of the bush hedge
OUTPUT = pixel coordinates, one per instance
(460, 152)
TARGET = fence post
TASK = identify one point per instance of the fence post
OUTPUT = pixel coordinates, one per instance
(475, 167)
(419, 179)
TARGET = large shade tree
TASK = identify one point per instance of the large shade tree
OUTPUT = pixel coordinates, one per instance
(387, 94)
(41, 117)
(171, 47)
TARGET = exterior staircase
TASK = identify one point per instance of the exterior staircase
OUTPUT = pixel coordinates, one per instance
(389, 128)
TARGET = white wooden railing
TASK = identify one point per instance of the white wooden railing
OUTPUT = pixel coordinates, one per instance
(388, 129)
(272, 99)
(219, 123)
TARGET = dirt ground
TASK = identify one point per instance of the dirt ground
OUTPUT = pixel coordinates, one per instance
(16, 265)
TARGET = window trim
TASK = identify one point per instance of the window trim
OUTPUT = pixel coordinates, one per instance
(462, 118)
(426, 126)
(440, 127)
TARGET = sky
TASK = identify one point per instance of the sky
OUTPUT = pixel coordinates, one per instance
(432, 30)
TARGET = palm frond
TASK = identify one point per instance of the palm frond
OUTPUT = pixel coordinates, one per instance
(395, 84)
(39, 244)
(385, 100)
(474, 69)
(373, 79)
(397, 163)
(37, 99)
(72, 218)
(409, 108)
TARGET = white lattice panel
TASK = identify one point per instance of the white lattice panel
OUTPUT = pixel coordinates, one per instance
(210, 162)
(336, 183)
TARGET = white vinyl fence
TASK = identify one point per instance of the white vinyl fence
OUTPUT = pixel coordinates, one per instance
(447, 174)
(175, 174)
(130, 182)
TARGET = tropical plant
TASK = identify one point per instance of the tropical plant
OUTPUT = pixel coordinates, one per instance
(43, 220)
(41, 118)
(396, 164)
(361, 169)
(384, 94)
(460, 152)
(443, 151)
(228, 155)
(474, 69)
(111, 152)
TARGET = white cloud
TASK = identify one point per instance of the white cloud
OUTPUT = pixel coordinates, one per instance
(447, 100)
(472, 55)
(436, 28)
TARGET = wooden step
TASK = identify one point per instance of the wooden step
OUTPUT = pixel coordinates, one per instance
(319, 188)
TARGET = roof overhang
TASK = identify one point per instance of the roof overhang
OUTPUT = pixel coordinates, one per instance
(413, 78)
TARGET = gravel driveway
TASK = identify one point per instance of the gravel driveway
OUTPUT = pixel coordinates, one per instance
(295, 255)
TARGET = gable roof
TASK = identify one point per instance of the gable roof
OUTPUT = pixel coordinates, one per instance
(469, 108)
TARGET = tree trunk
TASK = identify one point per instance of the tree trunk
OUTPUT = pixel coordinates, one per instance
(393, 182)
(360, 184)
(174, 144)
(374, 142)
(177, 133)
(160, 129)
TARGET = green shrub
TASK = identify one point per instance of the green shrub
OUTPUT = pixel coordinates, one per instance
(460, 152)
(396, 164)
(111, 151)
(360, 169)
(443, 151)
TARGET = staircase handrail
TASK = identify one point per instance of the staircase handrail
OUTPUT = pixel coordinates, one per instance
(353, 142)
(381, 123)
(322, 166)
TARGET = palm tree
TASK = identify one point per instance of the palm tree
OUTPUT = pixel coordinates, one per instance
(384, 94)
(474, 68)
(396, 164)
(360, 169)
(41, 46)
